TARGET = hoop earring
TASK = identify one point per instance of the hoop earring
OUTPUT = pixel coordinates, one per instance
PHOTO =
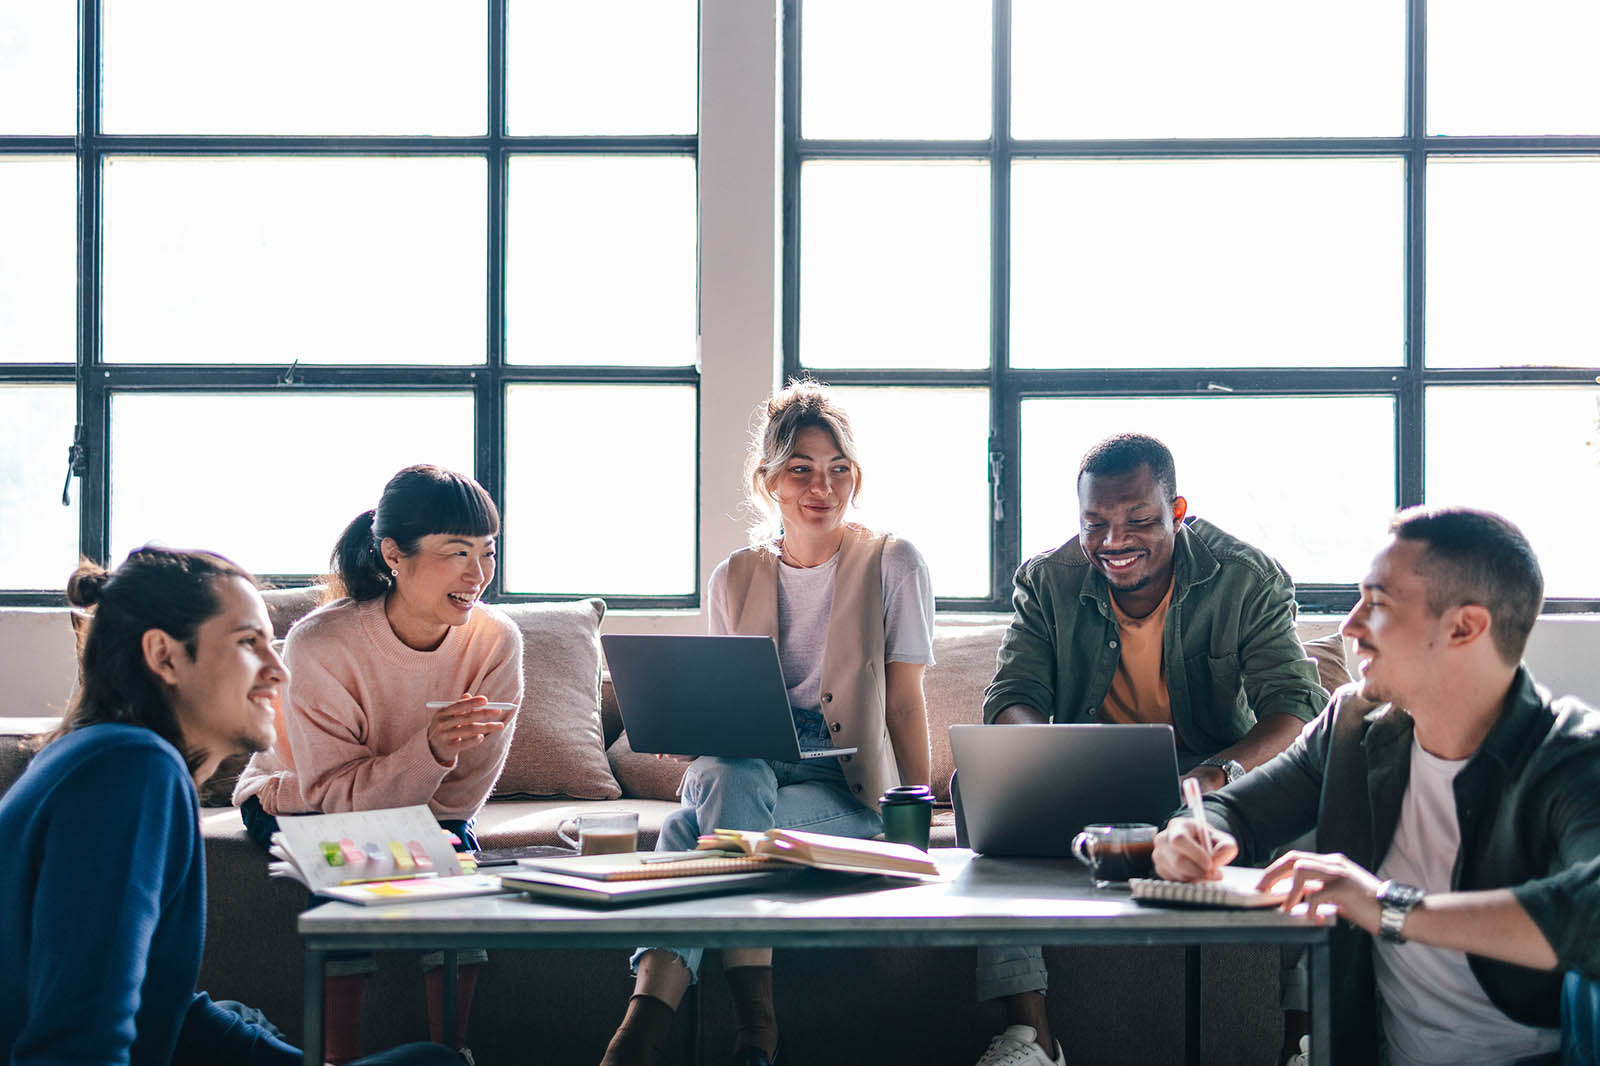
(394, 573)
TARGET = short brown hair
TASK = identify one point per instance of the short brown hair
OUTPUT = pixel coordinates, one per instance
(1478, 557)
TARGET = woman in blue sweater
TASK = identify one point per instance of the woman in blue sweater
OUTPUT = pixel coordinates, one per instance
(102, 896)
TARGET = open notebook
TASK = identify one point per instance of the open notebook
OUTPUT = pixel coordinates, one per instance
(1236, 889)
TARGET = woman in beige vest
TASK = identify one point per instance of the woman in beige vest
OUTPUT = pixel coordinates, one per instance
(852, 612)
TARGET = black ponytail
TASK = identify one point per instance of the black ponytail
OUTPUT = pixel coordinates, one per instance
(357, 568)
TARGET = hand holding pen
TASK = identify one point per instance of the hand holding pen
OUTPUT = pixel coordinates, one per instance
(1190, 849)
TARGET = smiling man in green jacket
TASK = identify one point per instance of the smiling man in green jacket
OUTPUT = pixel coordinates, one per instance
(1149, 615)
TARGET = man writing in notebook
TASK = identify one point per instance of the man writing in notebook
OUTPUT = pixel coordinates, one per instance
(1456, 809)
(1149, 615)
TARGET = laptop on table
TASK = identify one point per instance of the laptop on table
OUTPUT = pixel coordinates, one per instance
(705, 695)
(1027, 790)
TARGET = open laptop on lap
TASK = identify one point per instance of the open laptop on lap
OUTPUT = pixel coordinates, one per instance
(1027, 790)
(705, 695)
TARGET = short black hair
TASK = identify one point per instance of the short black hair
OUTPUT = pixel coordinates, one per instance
(1124, 453)
(1478, 557)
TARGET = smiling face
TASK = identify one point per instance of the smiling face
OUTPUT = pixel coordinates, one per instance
(1128, 529)
(1397, 636)
(437, 586)
(816, 484)
(226, 693)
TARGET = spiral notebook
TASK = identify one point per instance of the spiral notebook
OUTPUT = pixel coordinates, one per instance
(1236, 889)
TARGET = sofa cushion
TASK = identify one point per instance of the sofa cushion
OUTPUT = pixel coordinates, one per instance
(1333, 668)
(964, 660)
(644, 776)
(559, 745)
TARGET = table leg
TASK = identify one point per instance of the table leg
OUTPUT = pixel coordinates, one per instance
(1191, 1005)
(1321, 975)
(450, 995)
(312, 1006)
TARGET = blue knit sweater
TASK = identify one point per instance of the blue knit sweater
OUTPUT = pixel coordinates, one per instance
(102, 912)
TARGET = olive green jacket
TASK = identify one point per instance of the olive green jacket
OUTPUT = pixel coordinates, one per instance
(1231, 652)
(1528, 804)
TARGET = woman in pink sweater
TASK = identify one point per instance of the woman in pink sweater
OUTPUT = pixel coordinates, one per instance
(403, 627)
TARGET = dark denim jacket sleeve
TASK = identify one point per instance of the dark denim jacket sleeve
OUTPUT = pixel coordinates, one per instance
(1277, 676)
(1566, 904)
(1276, 802)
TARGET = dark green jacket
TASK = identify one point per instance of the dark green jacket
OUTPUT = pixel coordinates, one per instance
(1231, 652)
(1528, 803)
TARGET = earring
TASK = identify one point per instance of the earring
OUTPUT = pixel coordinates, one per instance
(394, 573)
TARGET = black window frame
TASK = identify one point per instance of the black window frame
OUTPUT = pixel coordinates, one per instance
(97, 381)
(1008, 387)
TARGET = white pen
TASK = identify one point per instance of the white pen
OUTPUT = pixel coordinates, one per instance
(439, 705)
(1197, 810)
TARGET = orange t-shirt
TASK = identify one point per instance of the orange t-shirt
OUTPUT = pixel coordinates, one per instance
(1138, 693)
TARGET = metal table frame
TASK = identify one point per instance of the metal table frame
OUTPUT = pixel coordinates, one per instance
(985, 902)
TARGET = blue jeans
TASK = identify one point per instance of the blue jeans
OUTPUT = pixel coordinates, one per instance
(758, 794)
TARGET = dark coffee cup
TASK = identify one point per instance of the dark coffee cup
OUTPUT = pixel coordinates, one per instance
(1114, 853)
(907, 814)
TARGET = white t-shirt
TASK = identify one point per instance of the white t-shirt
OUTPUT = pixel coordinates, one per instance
(1434, 1011)
(805, 598)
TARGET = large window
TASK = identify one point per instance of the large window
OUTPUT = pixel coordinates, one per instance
(255, 258)
(1340, 259)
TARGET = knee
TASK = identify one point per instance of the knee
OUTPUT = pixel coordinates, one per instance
(709, 774)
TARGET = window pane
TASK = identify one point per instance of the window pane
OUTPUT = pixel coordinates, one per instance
(1175, 68)
(250, 260)
(1179, 263)
(38, 70)
(904, 69)
(600, 261)
(1512, 273)
(295, 67)
(1495, 68)
(1532, 455)
(929, 487)
(1320, 509)
(894, 264)
(41, 536)
(38, 259)
(624, 66)
(601, 489)
(221, 472)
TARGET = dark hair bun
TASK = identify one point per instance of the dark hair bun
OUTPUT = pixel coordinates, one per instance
(86, 584)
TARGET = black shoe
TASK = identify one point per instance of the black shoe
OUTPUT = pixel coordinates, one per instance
(754, 1056)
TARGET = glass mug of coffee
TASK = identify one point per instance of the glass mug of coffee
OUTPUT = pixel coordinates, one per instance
(603, 832)
(1114, 853)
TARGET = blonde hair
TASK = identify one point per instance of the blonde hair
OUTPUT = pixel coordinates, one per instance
(804, 404)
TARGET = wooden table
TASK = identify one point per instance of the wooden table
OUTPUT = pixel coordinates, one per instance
(982, 901)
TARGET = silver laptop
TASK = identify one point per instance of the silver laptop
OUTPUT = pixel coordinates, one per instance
(1027, 790)
(703, 695)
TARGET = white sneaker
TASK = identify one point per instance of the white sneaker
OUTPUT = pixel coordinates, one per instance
(1016, 1047)
(1303, 1058)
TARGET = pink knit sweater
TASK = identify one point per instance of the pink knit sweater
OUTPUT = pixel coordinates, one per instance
(357, 718)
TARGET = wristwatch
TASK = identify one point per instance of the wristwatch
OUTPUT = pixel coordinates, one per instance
(1396, 901)
(1232, 769)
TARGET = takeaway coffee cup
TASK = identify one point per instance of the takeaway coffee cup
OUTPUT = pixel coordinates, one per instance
(603, 832)
(1114, 853)
(907, 814)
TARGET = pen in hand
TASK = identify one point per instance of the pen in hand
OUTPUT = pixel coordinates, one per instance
(1197, 811)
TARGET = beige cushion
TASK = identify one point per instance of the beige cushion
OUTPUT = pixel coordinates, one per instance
(559, 746)
(1328, 653)
(964, 662)
(644, 776)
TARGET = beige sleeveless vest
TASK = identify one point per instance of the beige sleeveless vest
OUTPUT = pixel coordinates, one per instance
(852, 655)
